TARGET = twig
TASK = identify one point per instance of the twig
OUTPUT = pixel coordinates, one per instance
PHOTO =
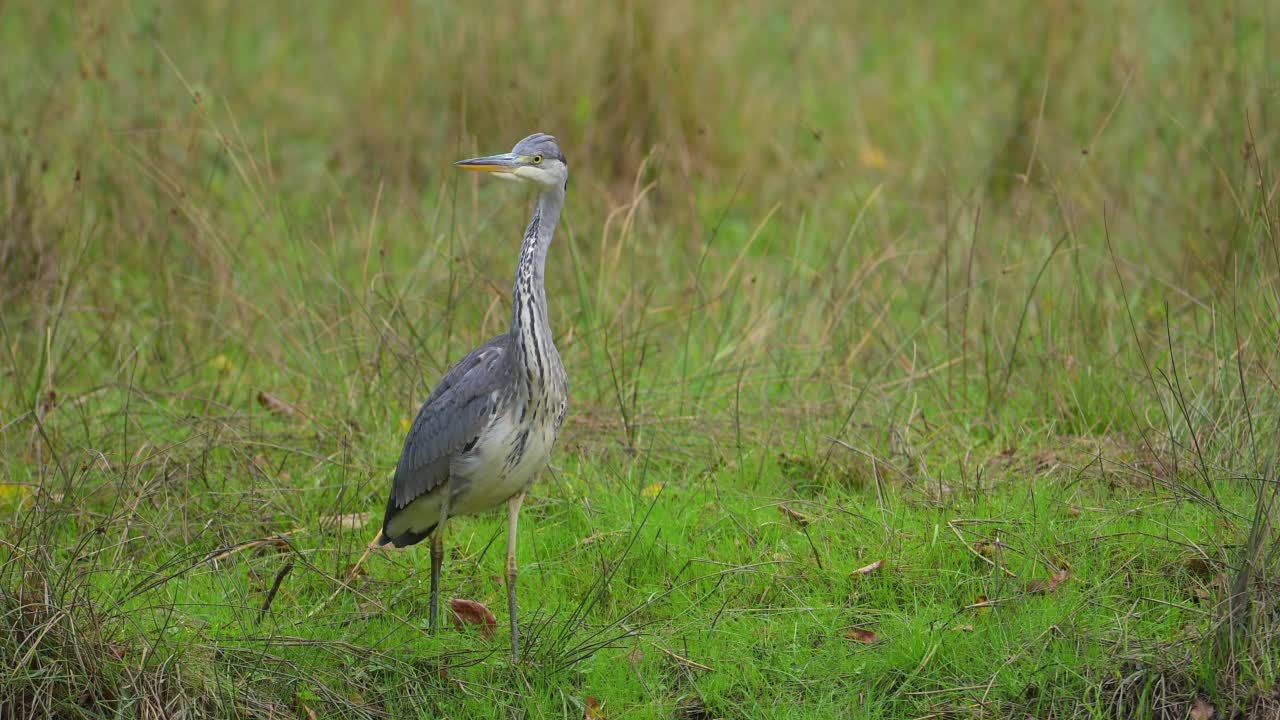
(275, 588)
(685, 661)
(250, 544)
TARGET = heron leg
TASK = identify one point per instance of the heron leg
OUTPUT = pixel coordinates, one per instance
(437, 559)
(513, 515)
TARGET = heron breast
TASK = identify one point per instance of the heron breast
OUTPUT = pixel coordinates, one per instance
(506, 458)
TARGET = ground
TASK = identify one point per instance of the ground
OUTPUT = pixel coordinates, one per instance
(922, 359)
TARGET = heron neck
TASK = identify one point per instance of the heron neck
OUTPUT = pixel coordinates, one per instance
(530, 326)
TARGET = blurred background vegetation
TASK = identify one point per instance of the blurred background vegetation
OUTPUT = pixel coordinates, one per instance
(242, 154)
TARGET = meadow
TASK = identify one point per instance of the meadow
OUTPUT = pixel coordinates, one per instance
(923, 357)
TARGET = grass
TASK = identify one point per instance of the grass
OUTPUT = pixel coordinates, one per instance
(951, 325)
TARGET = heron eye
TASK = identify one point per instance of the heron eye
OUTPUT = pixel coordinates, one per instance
(537, 159)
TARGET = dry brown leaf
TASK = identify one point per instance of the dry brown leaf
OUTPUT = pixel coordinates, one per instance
(473, 613)
(47, 403)
(989, 548)
(868, 569)
(593, 709)
(348, 521)
(1043, 587)
(1035, 587)
(794, 516)
(262, 547)
(1058, 578)
(963, 628)
(862, 636)
(276, 405)
(1201, 709)
(872, 157)
(1200, 566)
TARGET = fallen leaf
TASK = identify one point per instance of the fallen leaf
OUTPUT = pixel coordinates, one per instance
(222, 364)
(276, 405)
(1219, 582)
(794, 516)
(1201, 709)
(989, 548)
(1042, 587)
(349, 521)
(593, 709)
(1058, 578)
(474, 613)
(1035, 587)
(872, 157)
(868, 569)
(48, 402)
(862, 636)
(963, 628)
(1200, 566)
(982, 604)
(1073, 511)
(652, 490)
(266, 546)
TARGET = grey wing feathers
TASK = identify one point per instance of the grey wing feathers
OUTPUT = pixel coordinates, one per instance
(451, 419)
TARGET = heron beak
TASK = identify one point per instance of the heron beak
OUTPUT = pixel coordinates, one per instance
(504, 163)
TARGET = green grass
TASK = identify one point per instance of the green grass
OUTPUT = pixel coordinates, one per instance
(986, 293)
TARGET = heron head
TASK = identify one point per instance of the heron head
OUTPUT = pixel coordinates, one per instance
(536, 159)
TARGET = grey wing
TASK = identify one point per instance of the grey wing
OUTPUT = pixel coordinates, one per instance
(450, 420)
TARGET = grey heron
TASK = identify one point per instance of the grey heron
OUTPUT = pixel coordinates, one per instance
(487, 430)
